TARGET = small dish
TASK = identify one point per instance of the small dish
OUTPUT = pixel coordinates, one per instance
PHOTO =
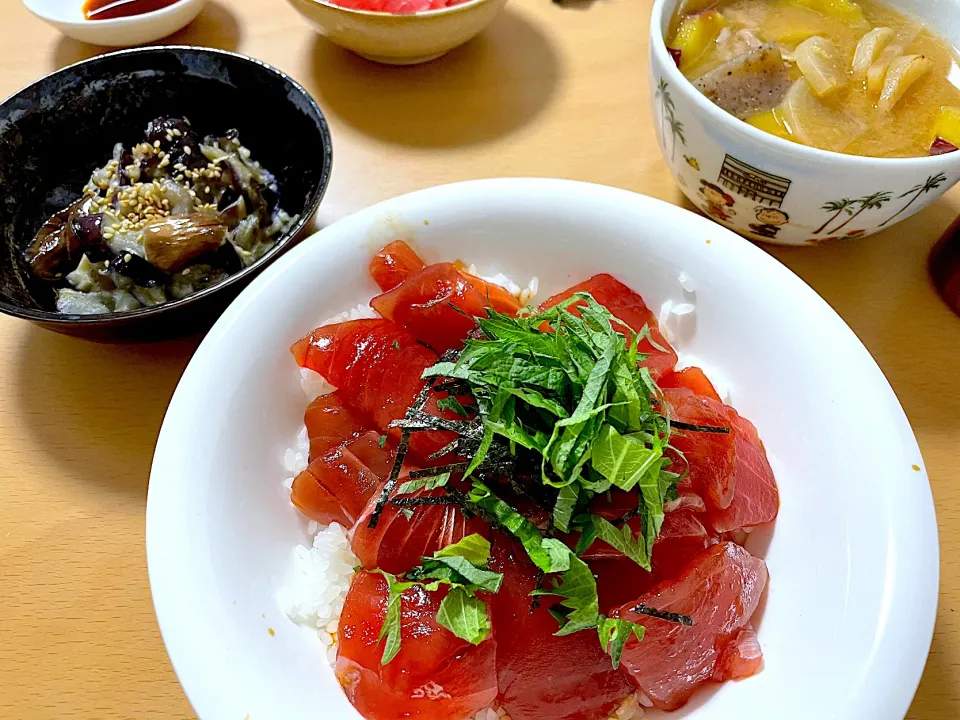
(776, 191)
(56, 131)
(853, 559)
(67, 17)
(399, 39)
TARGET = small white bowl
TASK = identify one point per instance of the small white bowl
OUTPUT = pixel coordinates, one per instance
(853, 556)
(777, 191)
(67, 17)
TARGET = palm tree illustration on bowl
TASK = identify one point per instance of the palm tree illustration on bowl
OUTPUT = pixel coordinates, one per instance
(874, 201)
(932, 183)
(668, 118)
(836, 207)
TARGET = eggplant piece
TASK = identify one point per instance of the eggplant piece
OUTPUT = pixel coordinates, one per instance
(171, 243)
(271, 196)
(137, 269)
(225, 258)
(89, 231)
(58, 246)
(228, 199)
(194, 279)
(126, 161)
(177, 139)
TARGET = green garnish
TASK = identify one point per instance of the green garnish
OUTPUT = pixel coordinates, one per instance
(451, 403)
(564, 413)
(576, 396)
(464, 566)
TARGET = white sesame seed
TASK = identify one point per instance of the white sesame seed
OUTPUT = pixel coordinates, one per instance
(187, 150)
(156, 143)
(128, 257)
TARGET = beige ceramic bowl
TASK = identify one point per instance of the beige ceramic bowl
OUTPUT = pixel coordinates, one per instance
(399, 39)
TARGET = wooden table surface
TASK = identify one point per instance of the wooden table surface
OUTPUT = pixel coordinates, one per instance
(545, 91)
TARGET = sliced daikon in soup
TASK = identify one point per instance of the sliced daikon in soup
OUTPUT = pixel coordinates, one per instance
(816, 123)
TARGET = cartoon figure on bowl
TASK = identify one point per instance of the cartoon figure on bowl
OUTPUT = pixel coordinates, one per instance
(719, 203)
(769, 221)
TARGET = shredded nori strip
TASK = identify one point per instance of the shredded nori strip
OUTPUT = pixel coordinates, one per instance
(424, 421)
(439, 470)
(664, 615)
(392, 480)
(700, 428)
(445, 450)
(421, 500)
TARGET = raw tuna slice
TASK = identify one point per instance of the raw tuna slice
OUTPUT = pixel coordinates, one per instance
(619, 581)
(438, 304)
(542, 676)
(434, 676)
(397, 543)
(708, 454)
(629, 307)
(681, 537)
(720, 590)
(330, 423)
(394, 264)
(376, 365)
(692, 378)
(756, 500)
(336, 486)
(741, 657)
(688, 498)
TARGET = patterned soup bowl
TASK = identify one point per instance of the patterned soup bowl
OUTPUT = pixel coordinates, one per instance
(777, 191)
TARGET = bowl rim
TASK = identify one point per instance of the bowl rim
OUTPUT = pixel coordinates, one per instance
(435, 12)
(55, 318)
(140, 18)
(164, 499)
(658, 48)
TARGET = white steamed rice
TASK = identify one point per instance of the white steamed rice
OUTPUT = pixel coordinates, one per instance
(321, 574)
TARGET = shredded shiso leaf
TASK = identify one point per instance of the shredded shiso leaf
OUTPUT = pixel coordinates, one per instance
(561, 411)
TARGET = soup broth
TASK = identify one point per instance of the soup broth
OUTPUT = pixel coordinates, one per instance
(852, 77)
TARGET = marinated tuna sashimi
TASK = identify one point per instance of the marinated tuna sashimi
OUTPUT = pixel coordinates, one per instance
(394, 264)
(438, 304)
(708, 456)
(398, 542)
(434, 676)
(692, 378)
(330, 423)
(336, 486)
(543, 521)
(756, 499)
(741, 658)
(681, 537)
(719, 591)
(375, 364)
(626, 305)
(542, 676)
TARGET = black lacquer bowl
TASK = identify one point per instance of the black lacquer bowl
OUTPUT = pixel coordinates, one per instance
(54, 133)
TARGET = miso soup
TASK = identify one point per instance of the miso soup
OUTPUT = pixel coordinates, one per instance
(851, 77)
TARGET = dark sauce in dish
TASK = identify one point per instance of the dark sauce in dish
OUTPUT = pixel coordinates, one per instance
(111, 9)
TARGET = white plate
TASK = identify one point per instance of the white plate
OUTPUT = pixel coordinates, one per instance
(67, 17)
(853, 557)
